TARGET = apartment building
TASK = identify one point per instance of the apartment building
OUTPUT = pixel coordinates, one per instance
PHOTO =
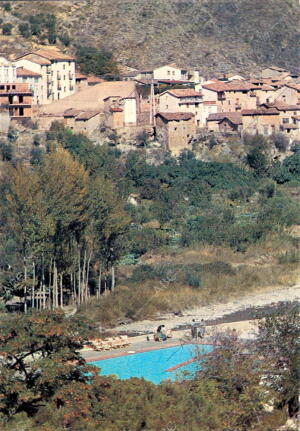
(7, 71)
(34, 82)
(56, 69)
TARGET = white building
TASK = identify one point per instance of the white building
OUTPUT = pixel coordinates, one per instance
(56, 69)
(171, 72)
(7, 71)
(34, 81)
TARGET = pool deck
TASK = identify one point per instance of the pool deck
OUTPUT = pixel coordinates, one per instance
(140, 344)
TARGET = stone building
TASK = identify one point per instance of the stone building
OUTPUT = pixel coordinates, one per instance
(262, 121)
(182, 100)
(175, 130)
(230, 96)
(224, 122)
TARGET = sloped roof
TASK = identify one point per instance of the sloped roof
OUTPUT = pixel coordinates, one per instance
(229, 86)
(21, 71)
(260, 111)
(292, 85)
(86, 115)
(175, 116)
(91, 98)
(183, 92)
(234, 117)
(79, 75)
(35, 59)
(53, 54)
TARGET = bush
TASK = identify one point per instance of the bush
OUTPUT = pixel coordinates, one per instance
(6, 29)
(94, 61)
(65, 39)
(6, 151)
(7, 7)
(24, 30)
(295, 147)
(193, 279)
(280, 141)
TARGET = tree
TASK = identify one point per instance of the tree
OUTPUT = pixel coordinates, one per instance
(278, 341)
(40, 360)
(280, 141)
(94, 61)
(109, 226)
(258, 161)
(233, 365)
(24, 29)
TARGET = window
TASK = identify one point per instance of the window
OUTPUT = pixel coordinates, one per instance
(13, 87)
(285, 120)
(64, 89)
(267, 100)
(175, 128)
(266, 130)
(1, 87)
(228, 102)
(168, 72)
(64, 66)
(197, 105)
(167, 106)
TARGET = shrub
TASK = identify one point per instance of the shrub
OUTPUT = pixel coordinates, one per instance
(7, 7)
(98, 62)
(6, 29)
(193, 279)
(65, 39)
(24, 29)
(280, 141)
(6, 151)
(295, 147)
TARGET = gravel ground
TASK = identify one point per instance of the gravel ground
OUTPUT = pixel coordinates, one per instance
(222, 312)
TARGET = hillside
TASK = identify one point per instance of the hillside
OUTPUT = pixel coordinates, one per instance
(214, 35)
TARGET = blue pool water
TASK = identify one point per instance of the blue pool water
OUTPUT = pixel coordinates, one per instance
(152, 365)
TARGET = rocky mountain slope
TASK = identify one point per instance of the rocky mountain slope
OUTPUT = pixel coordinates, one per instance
(213, 35)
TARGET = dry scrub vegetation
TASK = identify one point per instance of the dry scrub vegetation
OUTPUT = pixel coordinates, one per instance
(197, 277)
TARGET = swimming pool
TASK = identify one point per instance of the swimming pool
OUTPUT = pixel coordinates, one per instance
(153, 365)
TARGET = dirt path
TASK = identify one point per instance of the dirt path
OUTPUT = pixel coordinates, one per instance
(270, 296)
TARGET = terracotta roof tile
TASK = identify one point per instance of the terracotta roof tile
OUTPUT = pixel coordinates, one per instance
(234, 117)
(229, 86)
(176, 116)
(86, 115)
(115, 109)
(293, 85)
(35, 59)
(209, 102)
(79, 75)
(50, 54)
(184, 92)
(260, 111)
(21, 71)
(69, 113)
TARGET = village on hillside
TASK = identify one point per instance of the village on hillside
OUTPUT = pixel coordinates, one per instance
(175, 105)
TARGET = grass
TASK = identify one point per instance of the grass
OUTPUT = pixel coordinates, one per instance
(238, 274)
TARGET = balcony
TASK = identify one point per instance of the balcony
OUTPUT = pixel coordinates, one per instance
(221, 96)
(58, 77)
(71, 88)
(59, 87)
